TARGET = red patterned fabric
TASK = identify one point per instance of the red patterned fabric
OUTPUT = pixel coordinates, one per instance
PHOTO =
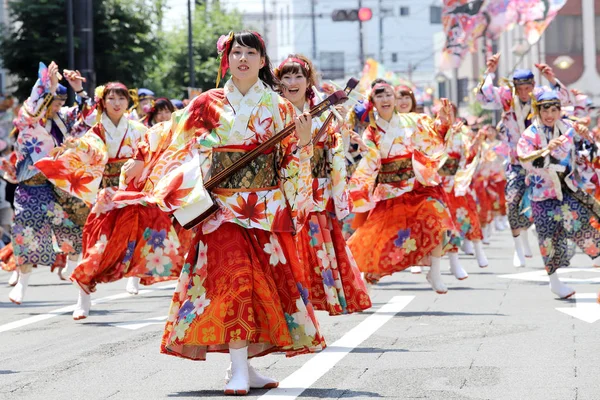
(465, 216)
(330, 272)
(401, 231)
(242, 287)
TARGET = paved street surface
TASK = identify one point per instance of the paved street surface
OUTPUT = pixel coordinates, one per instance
(492, 336)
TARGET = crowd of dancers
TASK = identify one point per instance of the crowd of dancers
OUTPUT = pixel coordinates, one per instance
(298, 222)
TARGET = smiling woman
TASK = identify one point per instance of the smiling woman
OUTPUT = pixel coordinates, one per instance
(238, 291)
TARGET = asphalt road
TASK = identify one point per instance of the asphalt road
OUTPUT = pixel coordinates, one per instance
(490, 337)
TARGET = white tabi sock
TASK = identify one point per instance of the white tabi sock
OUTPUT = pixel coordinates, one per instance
(434, 276)
(559, 288)
(525, 239)
(480, 254)
(17, 294)
(519, 257)
(239, 380)
(455, 267)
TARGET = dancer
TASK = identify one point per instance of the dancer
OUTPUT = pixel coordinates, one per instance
(516, 105)
(330, 272)
(241, 295)
(89, 168)
(397, 183)
(561, 210)
(159, 110)
(457, 174)
(38, 215)
(142, 100)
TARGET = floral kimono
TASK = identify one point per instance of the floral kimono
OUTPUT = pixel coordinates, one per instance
(457, 174)
(91, 172)
(489, 181)
(239, 280)
(331, 274)
(516, 117)
(39, 212)
(562, 211)
(398, 183)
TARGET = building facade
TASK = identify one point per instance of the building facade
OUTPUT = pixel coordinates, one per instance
(399, 35)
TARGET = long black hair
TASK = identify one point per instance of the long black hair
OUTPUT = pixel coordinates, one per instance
(255, 41)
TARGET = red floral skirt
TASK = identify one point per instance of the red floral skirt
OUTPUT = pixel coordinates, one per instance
(401, 231)
(498, 190)
(485, 203)
(240, 284)
(330, 272)
(136, 240)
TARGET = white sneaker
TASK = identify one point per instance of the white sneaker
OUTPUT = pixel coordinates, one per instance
(14, 278)
(434, 277)
(133, 285)
(467, 247)
(416, 270)
(455, 268)
(82, 308)
(560, 289)
(17, 294)
(238, 383)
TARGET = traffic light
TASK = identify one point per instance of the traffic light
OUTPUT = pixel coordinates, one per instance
(352, 14)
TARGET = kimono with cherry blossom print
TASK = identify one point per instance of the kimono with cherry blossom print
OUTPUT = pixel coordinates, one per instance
(559, 213)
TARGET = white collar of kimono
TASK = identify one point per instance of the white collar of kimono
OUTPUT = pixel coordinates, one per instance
(305, 108)
(387, 126)
(522, 112)
(243, 106)
(114, 134)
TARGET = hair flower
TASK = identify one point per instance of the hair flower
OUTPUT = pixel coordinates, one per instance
(222, 42)
(99, 93)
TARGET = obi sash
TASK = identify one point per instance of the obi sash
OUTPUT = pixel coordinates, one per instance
(450, 167)
(395, 170)
(261, 173)
(318, 163)
(112, 171)
(38, 179)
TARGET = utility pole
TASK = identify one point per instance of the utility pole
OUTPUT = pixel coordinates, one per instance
(380, 32)
(314, 30)
(84, 31)
(361, 49)
(190, 48)
(70, 45)
(264, 19)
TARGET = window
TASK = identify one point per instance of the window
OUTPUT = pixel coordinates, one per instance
(435, 15)
(463, 91)
(442, 92)
(565, 35)
(332, 64)
(394, 57)
(404, 11)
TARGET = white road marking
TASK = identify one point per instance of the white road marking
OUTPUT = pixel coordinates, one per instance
(135, 325)
(55, 313)
(586, 308)
(542, 276)
(293, 386)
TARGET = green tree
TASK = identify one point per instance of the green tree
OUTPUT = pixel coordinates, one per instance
(170, 76)
(126, 39)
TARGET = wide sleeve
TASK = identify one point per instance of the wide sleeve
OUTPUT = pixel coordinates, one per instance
(363, 181)
(469, 161)
(338, 173)
(38, 101)
(78, 170)
(429, 149)
(492, 97)
(295, 168)
(528, 147)
(174, 153)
